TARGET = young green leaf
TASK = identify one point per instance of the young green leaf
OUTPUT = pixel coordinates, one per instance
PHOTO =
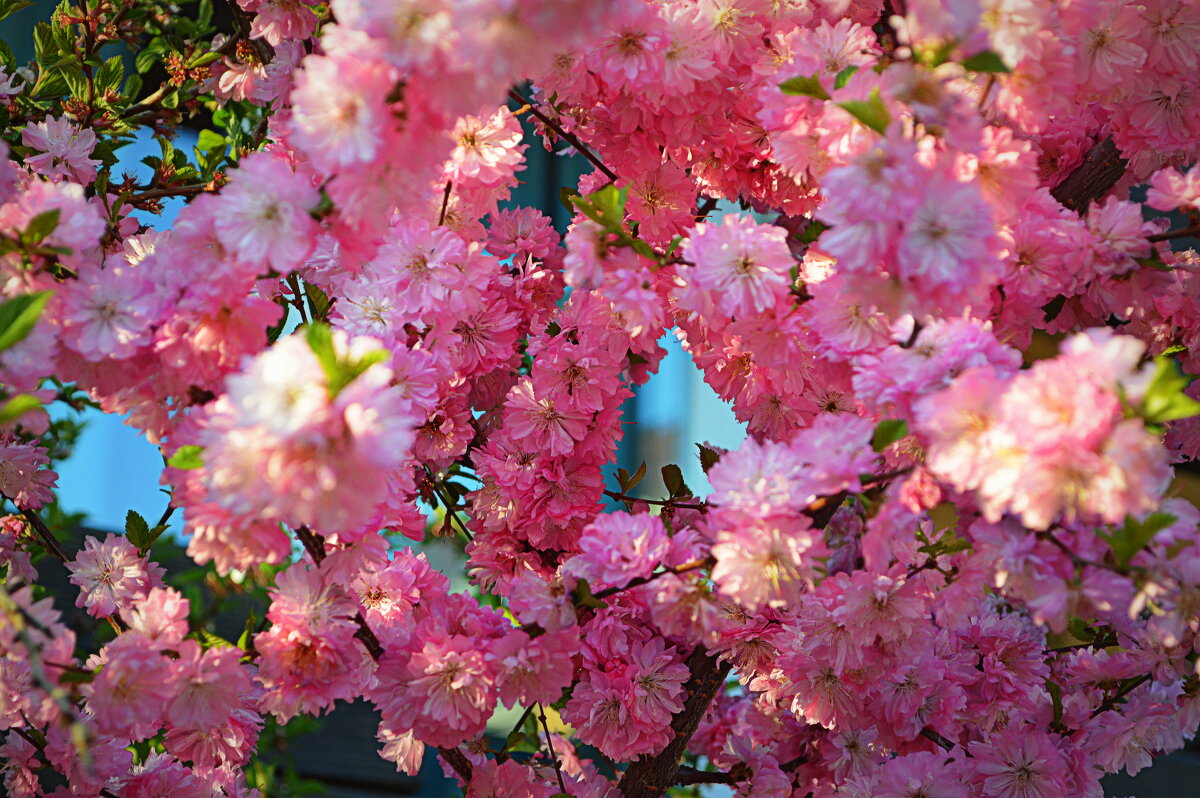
(987, 61)
(888, 432)
(871, 111)
(18, 406)
(187, 457)
(137, 530)
(804, 86)
(1164, 399)
(19, 315)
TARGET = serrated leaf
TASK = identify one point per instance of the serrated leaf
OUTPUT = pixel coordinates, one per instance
(844, 76)
(18, 317)
(187, 458)
(888, 432)
(109, 76)
(18, 406)
(708, 457)
(137, 530)
(209, 639)
(1165, 399)
(804, 86)
(871, 112)
(987, 61)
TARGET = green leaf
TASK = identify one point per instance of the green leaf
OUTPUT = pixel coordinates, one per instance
(204, 59)
(871, 112)
(808, 87)
(708, 457)
(208, 639)
(583, 596)
(888, 432)
(318, 301)
(19, 315)
(247, 633)
(567, 196)
(187, 458)
(339, 371)
(1127, 540)
(1056, 700)
(320, 341)
(987, 61)
(18, 406)
(109, 76)
(137, 530)
(844, 76)
(75, 677)
(610, 201)
(1164, 399)
(673, 479)
(8, 7)
(41, 226)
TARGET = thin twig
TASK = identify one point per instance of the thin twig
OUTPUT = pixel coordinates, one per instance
(570, 138)
(641, 580)
(1171, 235)
(503, 755)
(44, 533)
(445, 202)
(562, 786)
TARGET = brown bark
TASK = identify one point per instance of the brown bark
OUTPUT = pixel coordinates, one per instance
(1102, 167)
(650, 777)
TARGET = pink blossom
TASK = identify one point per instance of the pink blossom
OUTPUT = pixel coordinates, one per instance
(263, 213)
(619, 547)
(65, 150)
(111, 575)
(24, 477)
(745, 264)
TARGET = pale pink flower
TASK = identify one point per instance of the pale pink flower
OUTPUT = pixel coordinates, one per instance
(345, 127)
(488, 150)
(24, 477)
(263, 213)
(111, 575)
(65, 150)
(745, 264)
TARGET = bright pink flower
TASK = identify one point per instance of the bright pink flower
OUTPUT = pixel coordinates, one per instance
(1019, 763)
(134, 683)
(209, 685)
(618, 547)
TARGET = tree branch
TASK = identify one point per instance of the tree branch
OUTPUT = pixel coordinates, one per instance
(650, 777)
